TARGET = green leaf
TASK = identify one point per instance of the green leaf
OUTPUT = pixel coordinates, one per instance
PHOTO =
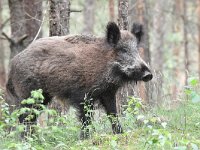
(37, 94)
(193, 81)
(30, 101)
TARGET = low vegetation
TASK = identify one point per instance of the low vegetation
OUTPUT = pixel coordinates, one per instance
(144, 128)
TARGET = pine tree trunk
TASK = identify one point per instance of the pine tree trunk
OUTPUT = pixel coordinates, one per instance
(64, 16)
(89, 16)
(2, 65)
(123, 14)
(185, 34)
(199, 37)
(158, 52)
(59, 15)
(112, 10)
(18, 23)
(25, 18)
(54, 18)
(33, 17)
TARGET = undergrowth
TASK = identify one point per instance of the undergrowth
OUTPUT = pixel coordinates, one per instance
(158, 128)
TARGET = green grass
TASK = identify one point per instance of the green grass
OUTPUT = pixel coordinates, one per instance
(63, 132)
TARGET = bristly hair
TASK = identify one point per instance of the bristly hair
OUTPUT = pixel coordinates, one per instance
(138, 31)
(112, 33)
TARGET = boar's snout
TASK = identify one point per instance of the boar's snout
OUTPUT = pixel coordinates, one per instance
(147, 75)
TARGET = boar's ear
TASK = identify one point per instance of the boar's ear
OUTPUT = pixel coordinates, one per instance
(138, 31)
(113, 34)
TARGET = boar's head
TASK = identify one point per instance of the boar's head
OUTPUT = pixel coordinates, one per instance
(128, 62)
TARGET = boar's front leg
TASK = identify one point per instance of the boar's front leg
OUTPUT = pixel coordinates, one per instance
(109, 103)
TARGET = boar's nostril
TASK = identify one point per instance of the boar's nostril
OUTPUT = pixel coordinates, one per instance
(147, 76)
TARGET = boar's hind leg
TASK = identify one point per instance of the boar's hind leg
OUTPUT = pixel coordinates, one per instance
(109, 103)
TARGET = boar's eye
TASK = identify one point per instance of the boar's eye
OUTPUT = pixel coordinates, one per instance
(138, 31)
(113, 34)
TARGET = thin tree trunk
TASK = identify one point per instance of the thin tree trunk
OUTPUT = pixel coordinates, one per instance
(59, 15)
(33, 17)
(54, 18)
(64, 16)
(18, 23)
(158, 52)
(199, 36)
(123, 14)
(112, 10)
(89, 16)
(2, 65)
(184, 3)
(178, 9)
(25, 18)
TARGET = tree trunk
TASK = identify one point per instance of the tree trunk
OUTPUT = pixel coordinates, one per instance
(123, 14)
(176, 28)
(89, 16)
(25, 18)
(112, 10)
(185, 40)
(33, 17)
(64, 16)
(54, 18)
(59, 15)
(158, 42)
(18, 23)
(199, 37)
(2, 57)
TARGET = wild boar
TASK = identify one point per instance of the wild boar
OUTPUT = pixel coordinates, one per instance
(70, 67)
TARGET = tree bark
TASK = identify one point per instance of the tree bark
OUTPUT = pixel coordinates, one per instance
(112, 10)
(158, 42)
(199, 36)
(123, 14)
(18, 23)
(89, 16)
(25, 18)
(33, 17)
(2, 64)
(185, 40)
(59, 15)
(54, 18)
(64, 16)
